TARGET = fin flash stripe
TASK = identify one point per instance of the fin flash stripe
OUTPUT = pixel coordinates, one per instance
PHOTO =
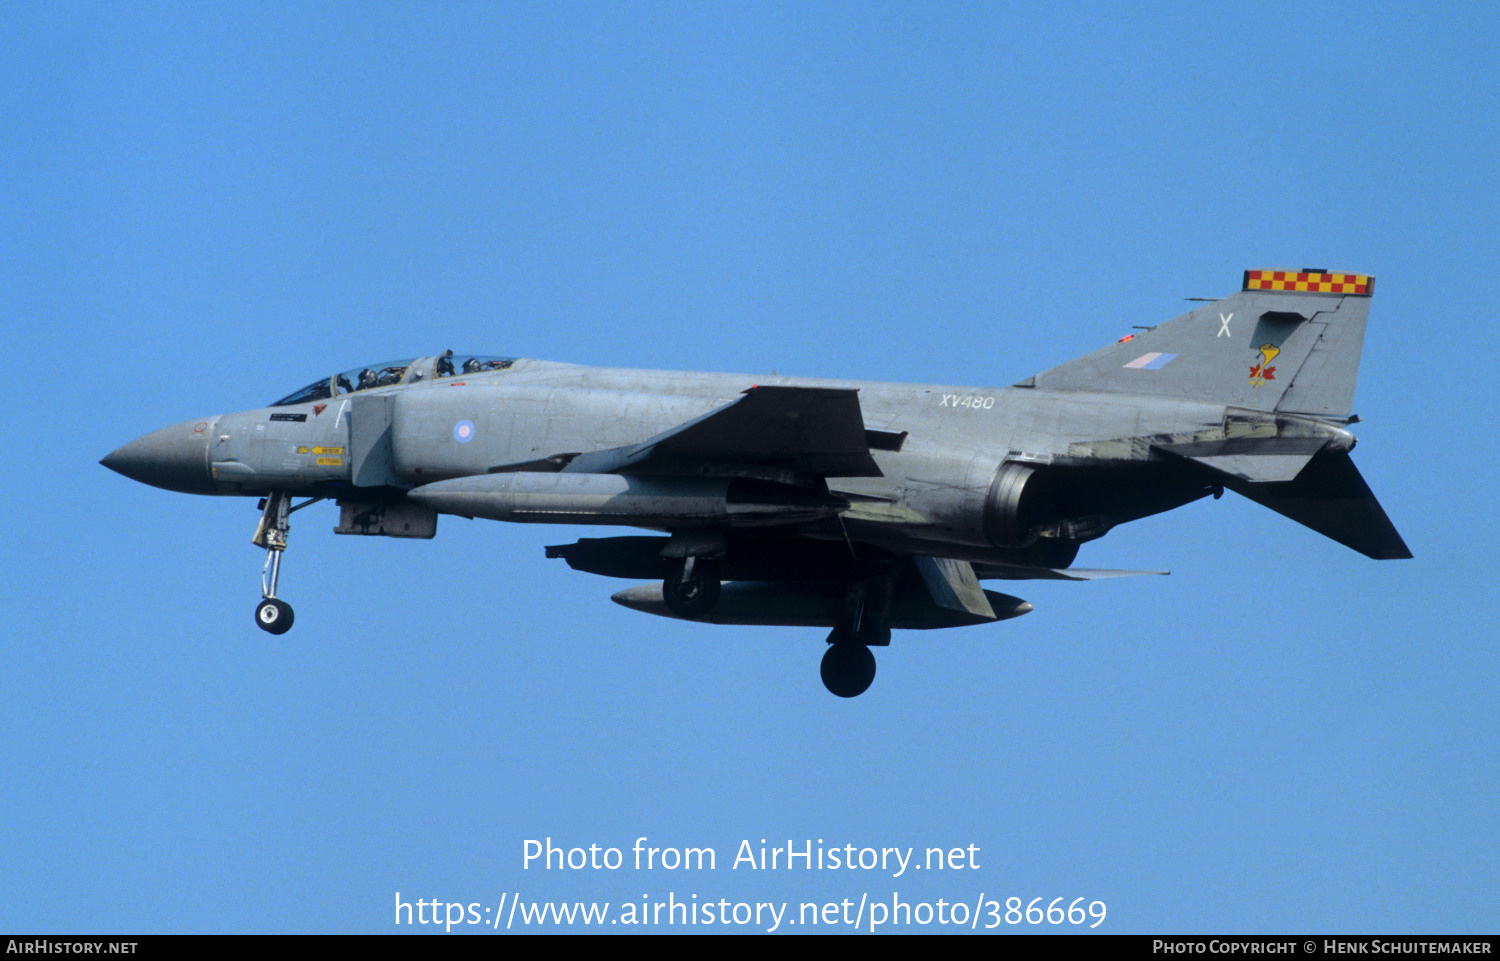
(1313, 283)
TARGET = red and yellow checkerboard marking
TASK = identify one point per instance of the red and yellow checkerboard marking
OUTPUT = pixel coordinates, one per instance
(1313, 283)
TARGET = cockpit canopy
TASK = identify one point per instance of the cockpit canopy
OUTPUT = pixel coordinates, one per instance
(390, 372)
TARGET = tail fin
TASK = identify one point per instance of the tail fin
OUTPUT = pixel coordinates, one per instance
(1282, 355)
(1288, 342)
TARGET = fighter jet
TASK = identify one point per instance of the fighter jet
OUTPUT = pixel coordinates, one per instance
(854, 506)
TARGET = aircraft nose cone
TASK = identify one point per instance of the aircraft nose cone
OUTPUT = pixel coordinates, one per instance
(174, 458)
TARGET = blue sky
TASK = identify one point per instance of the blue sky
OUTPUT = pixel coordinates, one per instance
(208, 205)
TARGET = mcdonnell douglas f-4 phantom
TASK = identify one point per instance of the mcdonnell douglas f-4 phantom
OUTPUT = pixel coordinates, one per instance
(849, 505)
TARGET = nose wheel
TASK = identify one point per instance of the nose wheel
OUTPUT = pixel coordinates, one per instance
(274, 616)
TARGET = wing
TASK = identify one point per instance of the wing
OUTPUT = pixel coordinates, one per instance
(758, 461)
(807, 431)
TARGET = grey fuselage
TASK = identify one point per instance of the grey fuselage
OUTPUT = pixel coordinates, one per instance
(936, 493)
(855, 505)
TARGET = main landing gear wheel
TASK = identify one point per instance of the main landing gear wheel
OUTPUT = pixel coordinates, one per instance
(273, 616)
(691, 588)
(848, 669)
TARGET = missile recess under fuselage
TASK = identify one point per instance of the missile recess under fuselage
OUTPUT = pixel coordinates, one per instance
(615, 499)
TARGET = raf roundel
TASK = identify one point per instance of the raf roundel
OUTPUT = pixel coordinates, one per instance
(463, 431)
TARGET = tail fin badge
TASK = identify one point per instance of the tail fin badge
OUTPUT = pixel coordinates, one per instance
(1263, 371)
(1310, 282)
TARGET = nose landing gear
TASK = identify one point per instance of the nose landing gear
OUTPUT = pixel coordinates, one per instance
(273, 615)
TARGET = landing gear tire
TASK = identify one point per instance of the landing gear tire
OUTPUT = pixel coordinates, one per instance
(691, 589)
(273, 616)
(848, 669)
